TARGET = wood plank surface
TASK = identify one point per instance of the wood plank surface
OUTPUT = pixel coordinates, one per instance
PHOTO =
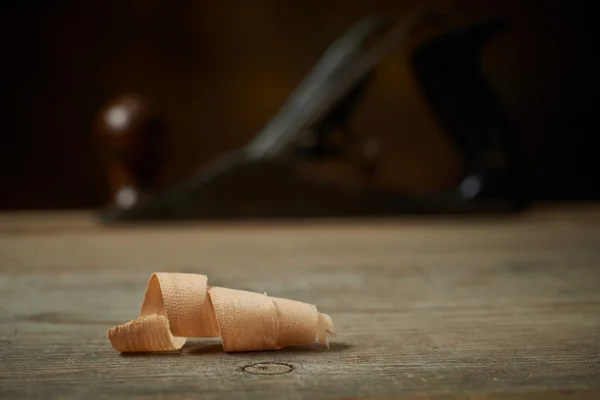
(483, 308)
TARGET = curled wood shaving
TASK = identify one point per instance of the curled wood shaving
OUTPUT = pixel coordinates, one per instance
(177, 306)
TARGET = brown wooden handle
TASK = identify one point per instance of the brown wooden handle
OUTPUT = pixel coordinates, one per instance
(131, 139)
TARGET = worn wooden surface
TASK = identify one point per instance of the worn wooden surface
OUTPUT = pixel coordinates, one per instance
(496, 308)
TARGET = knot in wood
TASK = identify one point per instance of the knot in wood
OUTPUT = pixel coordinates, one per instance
(271, 368)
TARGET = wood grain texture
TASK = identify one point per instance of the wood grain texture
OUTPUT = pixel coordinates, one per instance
(494, 308)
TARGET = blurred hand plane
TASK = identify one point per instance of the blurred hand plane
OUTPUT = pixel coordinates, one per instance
(267, 178)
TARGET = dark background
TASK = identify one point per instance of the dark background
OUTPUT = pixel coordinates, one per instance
(219, 69)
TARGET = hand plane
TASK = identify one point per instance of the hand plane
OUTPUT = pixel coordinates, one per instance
(265, 178)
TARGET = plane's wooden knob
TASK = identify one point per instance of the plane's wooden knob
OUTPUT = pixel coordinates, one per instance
(131, 137)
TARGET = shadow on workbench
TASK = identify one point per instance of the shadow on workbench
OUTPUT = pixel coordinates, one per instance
(200, 348)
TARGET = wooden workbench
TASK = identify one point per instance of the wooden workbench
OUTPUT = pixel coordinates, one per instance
(499, 308)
